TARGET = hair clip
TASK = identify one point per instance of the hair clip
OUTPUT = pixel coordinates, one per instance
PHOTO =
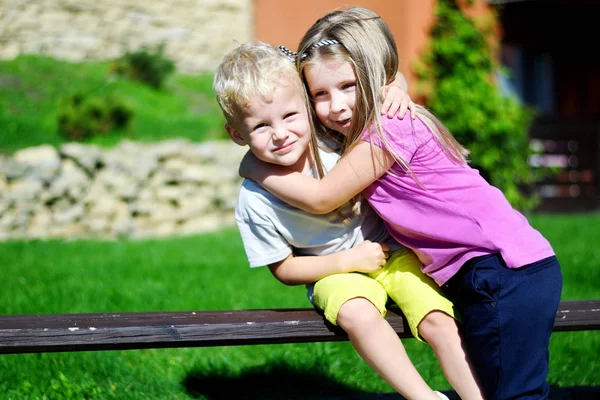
(325, 42)
(291, 55)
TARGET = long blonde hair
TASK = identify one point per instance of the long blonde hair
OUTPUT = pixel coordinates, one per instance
(367, 43)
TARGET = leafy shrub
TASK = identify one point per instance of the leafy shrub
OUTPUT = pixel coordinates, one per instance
(456, 75)
(149, 66)
(82, 116)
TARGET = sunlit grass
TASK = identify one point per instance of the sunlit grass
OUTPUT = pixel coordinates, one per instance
(210, 272)
(32, 87)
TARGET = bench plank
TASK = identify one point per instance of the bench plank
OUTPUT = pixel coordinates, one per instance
(38, 333)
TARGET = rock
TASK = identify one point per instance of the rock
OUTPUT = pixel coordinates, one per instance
(131, 191)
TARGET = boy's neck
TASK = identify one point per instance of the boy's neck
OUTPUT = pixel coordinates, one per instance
(307, 165)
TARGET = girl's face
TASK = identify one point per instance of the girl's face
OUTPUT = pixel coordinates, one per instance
(332, 87)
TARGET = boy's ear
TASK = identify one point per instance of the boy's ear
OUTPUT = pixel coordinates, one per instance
(235, 135)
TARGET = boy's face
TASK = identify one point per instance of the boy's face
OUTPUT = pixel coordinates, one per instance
(278, 132)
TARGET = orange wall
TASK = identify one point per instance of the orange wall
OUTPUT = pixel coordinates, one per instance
(284, 22)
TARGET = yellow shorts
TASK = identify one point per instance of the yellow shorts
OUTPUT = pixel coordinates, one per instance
(401, 279)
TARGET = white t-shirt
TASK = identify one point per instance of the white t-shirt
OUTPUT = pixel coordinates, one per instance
(271, 229)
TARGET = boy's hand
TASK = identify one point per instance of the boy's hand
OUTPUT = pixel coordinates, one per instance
(397, 102)
(367, 257)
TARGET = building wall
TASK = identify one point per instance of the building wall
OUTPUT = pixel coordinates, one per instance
(279, 22)
(196, 33)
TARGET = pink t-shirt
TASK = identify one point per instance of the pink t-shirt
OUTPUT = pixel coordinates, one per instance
(454, 215)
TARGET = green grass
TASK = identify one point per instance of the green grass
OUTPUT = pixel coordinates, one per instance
(210, 272)
(574, 355)
(31, 88)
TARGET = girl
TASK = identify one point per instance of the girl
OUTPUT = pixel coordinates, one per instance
(348, 260)
(501, 273)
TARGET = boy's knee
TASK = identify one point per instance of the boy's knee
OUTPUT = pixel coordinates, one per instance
(436, 326)
(356, 313)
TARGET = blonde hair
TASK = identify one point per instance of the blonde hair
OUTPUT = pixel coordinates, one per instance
(251, 70)
(367, 43)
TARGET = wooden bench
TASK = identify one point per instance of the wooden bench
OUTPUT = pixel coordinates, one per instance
(123, 331)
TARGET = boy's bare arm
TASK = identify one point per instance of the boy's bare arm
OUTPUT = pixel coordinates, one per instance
(365, 257)
(400, 81)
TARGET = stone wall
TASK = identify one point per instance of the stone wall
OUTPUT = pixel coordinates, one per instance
(196, 33)
(133, 190)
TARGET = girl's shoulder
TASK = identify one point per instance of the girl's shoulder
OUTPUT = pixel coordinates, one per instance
(402, 137)
(402, 129)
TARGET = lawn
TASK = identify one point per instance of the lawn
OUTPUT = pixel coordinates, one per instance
(209, 272)
(31, 88)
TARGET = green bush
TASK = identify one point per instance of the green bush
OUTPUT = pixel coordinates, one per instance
(149, 66)
(456, 75)
(82, 116)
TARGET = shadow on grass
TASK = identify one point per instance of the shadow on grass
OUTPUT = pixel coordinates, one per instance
(284, 382)
(575, 393)
(272, 382)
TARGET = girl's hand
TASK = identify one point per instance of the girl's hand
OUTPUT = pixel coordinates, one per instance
(397, 102)
(367, 257)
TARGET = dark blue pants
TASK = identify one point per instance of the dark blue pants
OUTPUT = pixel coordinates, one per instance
(507, 318)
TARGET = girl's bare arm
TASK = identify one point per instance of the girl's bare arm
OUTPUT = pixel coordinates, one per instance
(356, 170)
